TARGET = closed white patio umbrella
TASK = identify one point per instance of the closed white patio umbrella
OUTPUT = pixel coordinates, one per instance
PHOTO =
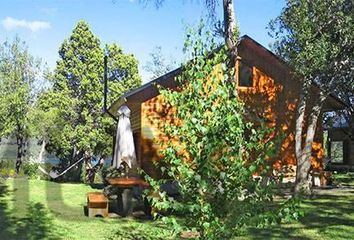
(124, 150)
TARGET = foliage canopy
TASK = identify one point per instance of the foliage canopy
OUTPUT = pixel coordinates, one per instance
(316, 39)
(219, 164)
(18, 87)
(77, 93)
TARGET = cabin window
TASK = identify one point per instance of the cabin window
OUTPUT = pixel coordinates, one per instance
(245, 75)
(336, 152)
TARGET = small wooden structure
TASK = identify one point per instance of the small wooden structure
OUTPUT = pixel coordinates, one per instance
(322, 178)
(265, 84)
(340, 148)
(97, 204)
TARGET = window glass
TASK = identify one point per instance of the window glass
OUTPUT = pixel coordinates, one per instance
(245, 75)
(337, 152)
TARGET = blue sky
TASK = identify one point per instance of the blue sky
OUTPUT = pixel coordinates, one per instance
(44, 24)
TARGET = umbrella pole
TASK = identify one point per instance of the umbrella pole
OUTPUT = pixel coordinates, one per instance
(125, 169)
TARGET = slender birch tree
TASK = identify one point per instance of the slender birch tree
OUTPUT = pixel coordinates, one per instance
(316, 39)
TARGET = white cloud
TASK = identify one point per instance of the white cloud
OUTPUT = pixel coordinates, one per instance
(10, 23)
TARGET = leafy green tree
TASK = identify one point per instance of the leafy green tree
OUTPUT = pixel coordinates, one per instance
(18, 73)
(316, 38)
(77, 86)
(77, 94)
(219, 164)
(122, 70)
(45, 122)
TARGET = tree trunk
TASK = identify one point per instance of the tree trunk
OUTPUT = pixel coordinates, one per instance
(19, 141)
(25, 148)
(92, 170)
(89, 172)
(230, 28)
(303, 153)
(350, 115)
(300, 119)
(42, 151)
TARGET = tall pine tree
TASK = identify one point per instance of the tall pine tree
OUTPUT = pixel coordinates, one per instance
(78, 92)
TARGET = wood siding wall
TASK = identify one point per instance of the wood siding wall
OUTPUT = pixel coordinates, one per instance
(274, 97)
(154, 115)
(135, 116)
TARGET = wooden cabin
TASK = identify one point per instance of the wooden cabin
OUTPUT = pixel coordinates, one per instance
(340, 149)
(265, 84)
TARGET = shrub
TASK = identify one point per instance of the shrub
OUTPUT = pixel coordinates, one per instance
(83, 173)
(7, 168)
(31, 170)
(110, 172)
(7, 172)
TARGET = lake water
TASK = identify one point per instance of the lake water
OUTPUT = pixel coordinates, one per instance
(8, 151)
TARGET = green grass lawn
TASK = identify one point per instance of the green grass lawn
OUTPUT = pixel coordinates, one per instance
(329, 215)
(37, 209)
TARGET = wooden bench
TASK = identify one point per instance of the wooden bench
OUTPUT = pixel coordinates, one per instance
(97, 204)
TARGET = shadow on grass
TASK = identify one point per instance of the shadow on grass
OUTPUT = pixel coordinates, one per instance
(140, 232)
(5, 221)
(35, 224)
(329, 215)
(276, 233)
(345, 179)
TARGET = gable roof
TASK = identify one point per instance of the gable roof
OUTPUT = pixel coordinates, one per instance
(149, 90)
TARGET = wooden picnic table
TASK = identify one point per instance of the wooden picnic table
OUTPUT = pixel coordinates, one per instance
(126, 186)
(127, 182)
